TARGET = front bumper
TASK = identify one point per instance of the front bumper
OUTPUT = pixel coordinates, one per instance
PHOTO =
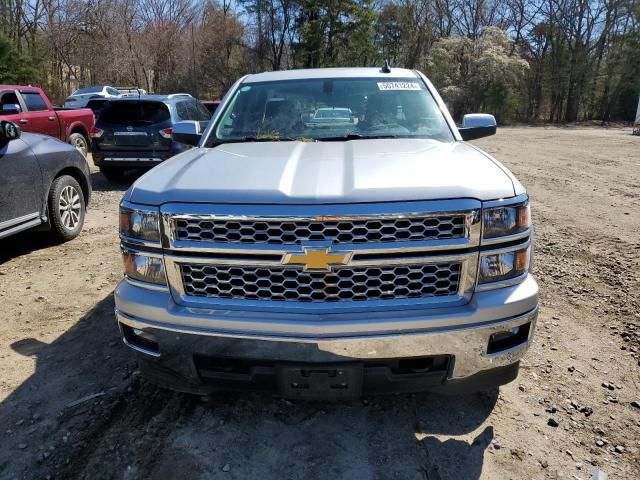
(462, 334)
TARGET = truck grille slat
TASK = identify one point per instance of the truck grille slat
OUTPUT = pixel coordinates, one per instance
(342, 284)
(339, 231)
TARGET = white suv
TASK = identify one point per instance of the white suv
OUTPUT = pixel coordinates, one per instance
(81, 97)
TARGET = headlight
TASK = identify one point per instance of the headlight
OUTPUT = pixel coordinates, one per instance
(143, 267)
(503, 221)
(140, 224)
(496, 267)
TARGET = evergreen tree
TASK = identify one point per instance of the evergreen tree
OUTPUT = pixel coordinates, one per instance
(15, 67)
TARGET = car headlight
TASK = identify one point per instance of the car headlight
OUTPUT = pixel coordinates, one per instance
(144, 267)
(138, 224)
(501, 266)
(503, 221)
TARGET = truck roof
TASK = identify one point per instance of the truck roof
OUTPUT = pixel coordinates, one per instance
(312, 73)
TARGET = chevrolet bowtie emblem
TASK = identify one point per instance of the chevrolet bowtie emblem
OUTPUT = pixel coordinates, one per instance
(317, 259)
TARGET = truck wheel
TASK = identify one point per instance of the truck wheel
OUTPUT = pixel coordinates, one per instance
(113, 174)
(78, 141)
(66, 208)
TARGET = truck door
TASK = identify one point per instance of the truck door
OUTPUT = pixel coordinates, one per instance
(8, 100)
(38, 118)
(21, 199)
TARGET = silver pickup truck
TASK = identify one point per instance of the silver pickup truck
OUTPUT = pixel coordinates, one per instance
(374, 251)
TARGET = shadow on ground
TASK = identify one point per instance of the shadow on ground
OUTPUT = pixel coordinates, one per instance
(23, 243)
(86, 413)
(87, 359)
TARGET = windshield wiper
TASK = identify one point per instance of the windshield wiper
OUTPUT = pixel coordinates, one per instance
(251, 138)
(339, 138)
(353, 136)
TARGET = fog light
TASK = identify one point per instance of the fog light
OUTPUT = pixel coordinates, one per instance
(501, 341)
(145, 342)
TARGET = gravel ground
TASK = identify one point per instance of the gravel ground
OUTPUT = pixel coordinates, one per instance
(73, 405)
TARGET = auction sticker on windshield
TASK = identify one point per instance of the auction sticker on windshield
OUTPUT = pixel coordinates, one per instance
(398, 86)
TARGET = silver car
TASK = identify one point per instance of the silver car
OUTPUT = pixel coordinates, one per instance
(331, 116)
(81, 97)
(324, 261)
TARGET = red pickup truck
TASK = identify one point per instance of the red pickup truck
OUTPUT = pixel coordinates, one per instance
(30, 108)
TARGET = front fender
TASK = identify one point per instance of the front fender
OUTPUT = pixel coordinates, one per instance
(56, 157)
(78, 127)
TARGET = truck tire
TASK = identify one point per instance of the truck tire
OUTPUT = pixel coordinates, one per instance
(115, 175)
(66, 208)
(80, 142)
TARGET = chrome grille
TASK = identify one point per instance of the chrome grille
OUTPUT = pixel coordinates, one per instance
(342, 284)
(338, 231)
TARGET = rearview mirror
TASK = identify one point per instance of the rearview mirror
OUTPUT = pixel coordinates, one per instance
(477, 125)
(188, 132)
(10, 109)
(8, 131)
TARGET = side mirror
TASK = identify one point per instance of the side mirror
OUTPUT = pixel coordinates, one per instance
(188, 132)
(10, 109)
(8, 131)
(477, 125)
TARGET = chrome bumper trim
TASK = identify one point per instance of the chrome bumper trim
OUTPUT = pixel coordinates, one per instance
(467, 344)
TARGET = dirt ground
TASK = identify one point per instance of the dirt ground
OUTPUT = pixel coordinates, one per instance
(73, 405)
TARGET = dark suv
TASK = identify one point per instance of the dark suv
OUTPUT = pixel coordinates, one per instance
(136, 132)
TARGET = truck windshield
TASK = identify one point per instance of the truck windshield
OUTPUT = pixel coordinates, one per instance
(330, 110)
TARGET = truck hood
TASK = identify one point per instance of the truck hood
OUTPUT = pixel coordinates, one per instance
(377, 170)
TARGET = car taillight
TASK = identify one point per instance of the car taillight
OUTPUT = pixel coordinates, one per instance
(95, 132)
(166, 133)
